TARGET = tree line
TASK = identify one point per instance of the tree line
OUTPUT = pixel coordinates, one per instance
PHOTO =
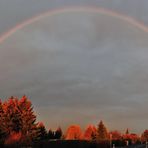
(18, 125)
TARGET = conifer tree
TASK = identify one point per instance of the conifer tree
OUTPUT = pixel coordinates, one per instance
(50, 134)
(58, 133)
(11, 116)
(17, 116)
(29, 125)
(41, 132)
(127, 131)
(102, 132)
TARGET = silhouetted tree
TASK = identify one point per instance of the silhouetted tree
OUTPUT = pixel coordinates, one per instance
(41, 132)
(102, 133)
(127, 131)
(50, 134)
(58, 133)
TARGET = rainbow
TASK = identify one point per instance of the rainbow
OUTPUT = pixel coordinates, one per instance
(125, 18)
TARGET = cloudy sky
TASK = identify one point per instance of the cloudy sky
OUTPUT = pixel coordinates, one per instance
(78, 66)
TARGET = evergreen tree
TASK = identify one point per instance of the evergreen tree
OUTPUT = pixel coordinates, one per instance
(17, 116)
(102, 132)
(50, 134)
(58, 133)
(42, 133)
(11, 116)
(127, 131)
(29, 126)
(13, 138)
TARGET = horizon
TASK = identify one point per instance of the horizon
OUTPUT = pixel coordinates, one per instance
(77, 61)
(10, 101)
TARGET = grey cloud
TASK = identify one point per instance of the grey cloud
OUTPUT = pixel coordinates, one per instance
(78, 64)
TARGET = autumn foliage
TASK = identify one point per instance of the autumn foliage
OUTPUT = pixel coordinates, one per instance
(90, 133)
(74, 133)
(144, 136)
(115, 135)
(18, 125)
(14, 137)
(18, 122)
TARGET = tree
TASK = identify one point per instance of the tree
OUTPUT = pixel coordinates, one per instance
(17, 116)
(127, 131)
(58, 133)
(74, 133)
(144, 136)
(41, 132)
(2, 132)
(102, 133)
(11, 116)
(1, 114)
(134, 138)
(126, 136)
(28, 119)
(50, 134)
(115, 135)
(13, 138)
(90, 133)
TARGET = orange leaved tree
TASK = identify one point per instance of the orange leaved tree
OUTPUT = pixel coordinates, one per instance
(90, 133)
(74, 133)
(17, 116)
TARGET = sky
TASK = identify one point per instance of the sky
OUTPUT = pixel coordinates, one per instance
(78, 66)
